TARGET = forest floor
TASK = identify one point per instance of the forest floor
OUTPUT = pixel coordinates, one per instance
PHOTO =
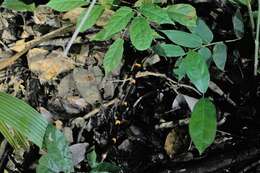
(131, 117)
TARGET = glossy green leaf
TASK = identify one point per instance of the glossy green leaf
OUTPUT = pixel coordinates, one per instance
(197, 71)
(183, 38)
(203, 31)
(168, 50)
(205, 54)
(116, 24)
(18, 5)
(203, 124)
(58, 157)
(156, 14)
(66, 5)
(114, 55)
(93, 17)
(184, 14)
(141, 34)
(220, 55)
(238, 24)
(23, 118)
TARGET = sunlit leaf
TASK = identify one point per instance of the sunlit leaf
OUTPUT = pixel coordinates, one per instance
(93, 17)
(220, 55)
(156, 14)
(113, 56)
(23, 118)
(238, 24)
(141, 34)
(203, 124)
(66, 5)
(168, 50)
(197, 71)
(184, 14)
(183, 38)
(18, 5)
(117, 23)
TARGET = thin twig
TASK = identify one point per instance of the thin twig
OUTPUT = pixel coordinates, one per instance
(75, 34)
(257, 40)
(95, 111)
(28, 45)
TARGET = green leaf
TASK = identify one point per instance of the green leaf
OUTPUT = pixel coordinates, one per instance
(114, 55)
(92, 158)
(58, 157)
(168, 50)
(205, 54)
(197, 71)
(93, 17)
(184, 14)
(23, 118)
(106, 167)
(156, 14)
(66, 5)
(18, 5)
(220, 55)
(238, 24)
(183, 38)
(141, 34)
(203, 124)
(180, 71)
(203, 31)
(117, 23)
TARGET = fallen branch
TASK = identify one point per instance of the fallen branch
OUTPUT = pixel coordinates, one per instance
(29, 45)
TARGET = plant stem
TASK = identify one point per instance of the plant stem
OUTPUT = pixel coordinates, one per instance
(251, 17)
(75, 34)
(257, 40)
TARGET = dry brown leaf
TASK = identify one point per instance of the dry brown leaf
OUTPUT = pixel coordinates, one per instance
(19, 46)
(73, 15)
(49, 67)
(40, 15)
(176, 142)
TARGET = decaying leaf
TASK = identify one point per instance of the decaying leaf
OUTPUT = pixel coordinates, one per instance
(73, 15)
(50, 67)
(19, 46)
(87, 82)
(176, 142)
